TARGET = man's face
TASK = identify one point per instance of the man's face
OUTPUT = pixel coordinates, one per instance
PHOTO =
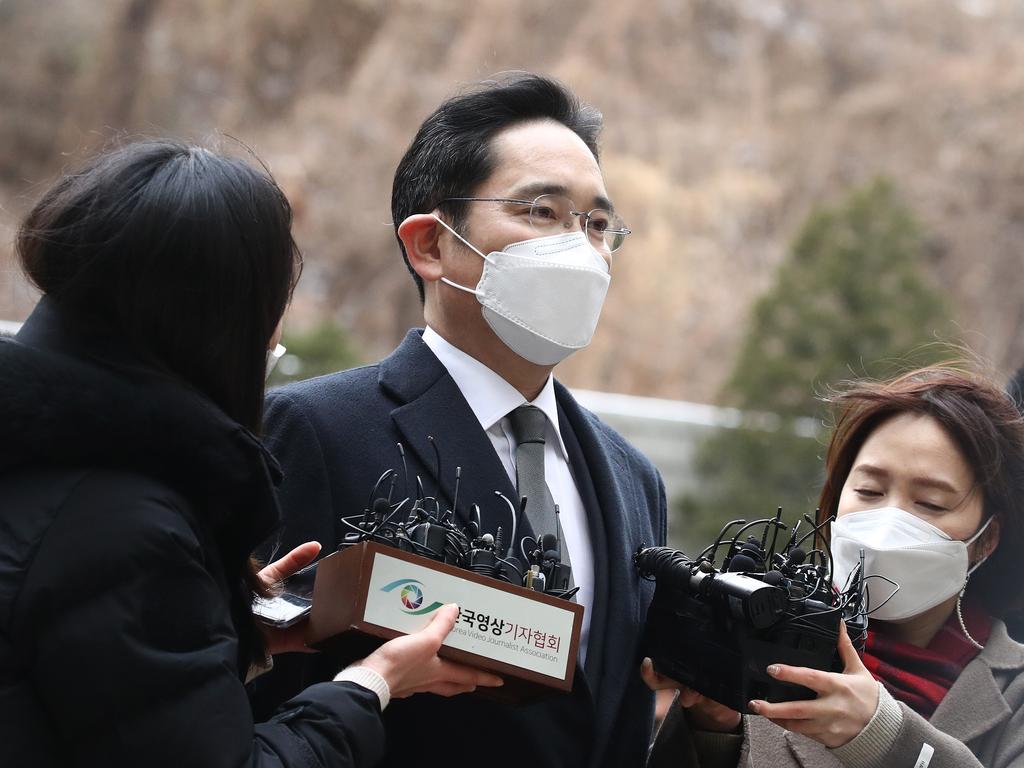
(532, 159)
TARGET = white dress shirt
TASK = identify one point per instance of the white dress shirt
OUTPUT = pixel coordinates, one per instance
(491, 399)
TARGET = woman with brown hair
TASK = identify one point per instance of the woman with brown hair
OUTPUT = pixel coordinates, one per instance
(925, 474)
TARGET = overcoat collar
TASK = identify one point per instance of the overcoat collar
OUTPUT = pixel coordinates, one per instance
(432, 409)
(988, 708)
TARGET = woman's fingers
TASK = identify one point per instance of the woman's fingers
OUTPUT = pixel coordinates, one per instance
(847, 653)
(459, 673)
(689, 697)
(296, 560)
(815, 679)
(440, 625)
(783, 710)
(654, 679)
(445, 678)
(410, 664)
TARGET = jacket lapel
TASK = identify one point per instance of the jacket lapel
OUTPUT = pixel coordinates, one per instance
(979, 705)
(616, 497)
(598, 540)
(432, 406)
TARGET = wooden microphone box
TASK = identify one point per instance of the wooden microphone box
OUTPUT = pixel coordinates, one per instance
(370, 593)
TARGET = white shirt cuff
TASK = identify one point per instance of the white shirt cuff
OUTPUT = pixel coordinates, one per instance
(369, 679)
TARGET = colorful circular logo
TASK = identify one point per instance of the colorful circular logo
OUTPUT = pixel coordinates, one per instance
(412, 596)
(410, 592)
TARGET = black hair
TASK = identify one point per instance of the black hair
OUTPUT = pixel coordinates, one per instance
(1015, 389)
(451, 153)
(187, 252)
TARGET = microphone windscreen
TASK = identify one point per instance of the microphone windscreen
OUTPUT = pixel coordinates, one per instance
(773, 578)
(742, 564)
(548, 541)
(381, 508)
(796, 556)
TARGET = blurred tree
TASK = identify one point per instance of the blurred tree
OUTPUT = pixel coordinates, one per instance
(849, 301)
(325, 348)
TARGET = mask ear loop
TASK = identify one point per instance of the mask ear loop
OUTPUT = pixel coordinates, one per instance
(963, 589)
(469, 245)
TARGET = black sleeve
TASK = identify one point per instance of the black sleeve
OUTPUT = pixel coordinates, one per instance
(135, 656)
(305, 491)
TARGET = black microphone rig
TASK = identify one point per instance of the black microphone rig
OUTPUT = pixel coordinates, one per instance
(421, 525)
(715, 627)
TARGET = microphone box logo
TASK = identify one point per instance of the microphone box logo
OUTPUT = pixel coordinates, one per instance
(410, 593)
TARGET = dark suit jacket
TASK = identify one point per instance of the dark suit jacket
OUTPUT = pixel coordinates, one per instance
(334, 436)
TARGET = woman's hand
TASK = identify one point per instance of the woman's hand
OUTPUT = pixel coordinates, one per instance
(410, 664)
(846, 702)
(703, 713)
(290, 639)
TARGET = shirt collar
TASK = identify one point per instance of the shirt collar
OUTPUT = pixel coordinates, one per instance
(490, 397)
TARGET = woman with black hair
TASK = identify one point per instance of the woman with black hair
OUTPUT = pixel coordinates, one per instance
(133, 486)
(925, 475)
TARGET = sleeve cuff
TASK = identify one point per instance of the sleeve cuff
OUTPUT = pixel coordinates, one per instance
(718, 750)
(871, 746)
(369, 679)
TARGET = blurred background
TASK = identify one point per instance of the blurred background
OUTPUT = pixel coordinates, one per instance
(817, 190)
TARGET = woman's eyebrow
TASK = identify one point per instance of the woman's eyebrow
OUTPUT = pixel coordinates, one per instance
(934, 482)
(927, 482)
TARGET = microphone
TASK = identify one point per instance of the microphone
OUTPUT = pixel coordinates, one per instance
(742, 563)
(549, 547)
(558, 574)
(796, 556)
(381, 509)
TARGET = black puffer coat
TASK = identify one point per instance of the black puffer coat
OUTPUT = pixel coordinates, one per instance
(125, 499)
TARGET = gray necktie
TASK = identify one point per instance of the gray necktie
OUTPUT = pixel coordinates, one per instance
(528, 423)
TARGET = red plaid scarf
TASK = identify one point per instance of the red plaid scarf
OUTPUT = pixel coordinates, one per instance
(921, 677)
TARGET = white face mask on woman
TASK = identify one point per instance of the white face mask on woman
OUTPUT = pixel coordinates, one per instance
(928, 565)
(542, 297)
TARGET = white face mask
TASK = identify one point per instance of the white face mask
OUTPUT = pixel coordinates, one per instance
(927, 564)
(273, 355)
(543, 296)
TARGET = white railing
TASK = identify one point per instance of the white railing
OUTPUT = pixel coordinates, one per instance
(669, 432)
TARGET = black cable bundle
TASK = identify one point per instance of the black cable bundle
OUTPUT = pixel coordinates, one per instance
(428, 530)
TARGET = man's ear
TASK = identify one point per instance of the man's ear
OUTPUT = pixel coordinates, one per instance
(419, 234)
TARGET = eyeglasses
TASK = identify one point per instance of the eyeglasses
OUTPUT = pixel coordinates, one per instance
(554, 214)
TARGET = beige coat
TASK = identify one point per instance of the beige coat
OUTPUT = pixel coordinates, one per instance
(979, 723)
